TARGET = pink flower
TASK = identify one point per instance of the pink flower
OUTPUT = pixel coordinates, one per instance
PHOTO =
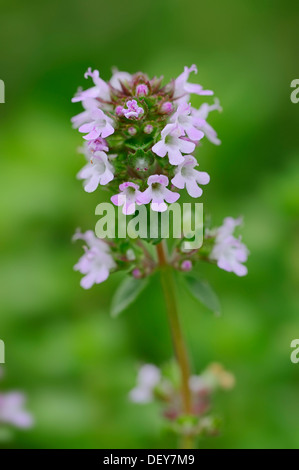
(199, 119)
(228, 251)
(100, 90)
(98, 171)
(185, 122)
(127, 197)
(100, 125)
(158, 193)
(96, 263)
(172, 145)
(183, 87)
(133, 111)
(187, 176)
(12, 410)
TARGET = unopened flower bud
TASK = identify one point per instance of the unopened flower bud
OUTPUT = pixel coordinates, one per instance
(186, 265)
(141, 90)
(132, 131)
(119, 110)
(136, 273)
(148, 129)
(167, 107)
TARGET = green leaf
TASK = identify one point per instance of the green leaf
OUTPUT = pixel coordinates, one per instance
(126, 293)
(203, 292)
(136, 145)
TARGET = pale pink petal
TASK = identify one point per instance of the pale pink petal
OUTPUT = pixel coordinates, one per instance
(159, 206)
(224, 264)
(88, 281)
(160, 149)
(85, 172)
(93, 134)
(178, 181)
(174, 155)
(117, 199)
(106, 177)
(162, 179)
(92, 184)
(206, 93)
(240, 269)
(170, 196)
(108, 130)
(145, 197)
(129, 208)
(193, 189)
(101, 275)
(242, 254)
(202, 177)
(90, 93)
(86, 127)
(186, 146)
(194, 134)
(193, 88)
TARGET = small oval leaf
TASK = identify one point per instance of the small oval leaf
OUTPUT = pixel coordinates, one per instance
(203, 292)
(126, 293)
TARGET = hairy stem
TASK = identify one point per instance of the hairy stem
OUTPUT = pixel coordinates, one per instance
(176, 331)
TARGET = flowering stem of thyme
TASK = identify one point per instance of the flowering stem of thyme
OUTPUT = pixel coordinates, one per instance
(177, 337)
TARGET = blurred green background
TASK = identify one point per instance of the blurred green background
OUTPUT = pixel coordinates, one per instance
(74, 362)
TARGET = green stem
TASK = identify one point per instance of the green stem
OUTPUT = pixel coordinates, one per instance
(177, 337)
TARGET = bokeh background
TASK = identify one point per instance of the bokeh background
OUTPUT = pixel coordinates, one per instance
(73, 361)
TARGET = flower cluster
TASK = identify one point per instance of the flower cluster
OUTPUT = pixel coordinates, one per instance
(228, 251)
(96, 262)
(12, 410)
(139, 137)
(221, 247)
(101, 257)
(163, 386)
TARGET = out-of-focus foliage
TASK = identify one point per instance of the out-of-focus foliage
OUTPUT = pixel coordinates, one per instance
(73, 360)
